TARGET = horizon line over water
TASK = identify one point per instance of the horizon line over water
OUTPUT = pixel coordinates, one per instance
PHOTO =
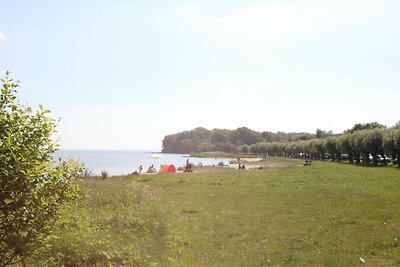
(122, 162)
(112, 150)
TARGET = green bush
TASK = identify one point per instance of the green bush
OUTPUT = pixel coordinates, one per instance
(33, 187)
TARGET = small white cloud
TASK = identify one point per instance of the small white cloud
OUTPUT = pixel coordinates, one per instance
(2, 37)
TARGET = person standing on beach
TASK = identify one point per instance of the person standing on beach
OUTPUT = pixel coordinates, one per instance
(188, 166)
(140, 169)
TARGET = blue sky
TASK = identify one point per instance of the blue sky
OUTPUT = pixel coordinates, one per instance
(123, 74)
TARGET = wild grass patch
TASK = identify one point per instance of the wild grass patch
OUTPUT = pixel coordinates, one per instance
(327, 214)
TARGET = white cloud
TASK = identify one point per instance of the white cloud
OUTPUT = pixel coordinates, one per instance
(3, 37)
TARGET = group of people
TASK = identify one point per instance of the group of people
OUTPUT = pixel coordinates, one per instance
(241, 166)
(187, 168)
(152, 169)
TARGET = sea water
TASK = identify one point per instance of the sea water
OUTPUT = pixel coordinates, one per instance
(126, 162)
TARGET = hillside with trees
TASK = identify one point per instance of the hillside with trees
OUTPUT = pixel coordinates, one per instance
(240, 139)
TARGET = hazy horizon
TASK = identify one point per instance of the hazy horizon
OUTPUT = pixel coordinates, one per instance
(122, 75)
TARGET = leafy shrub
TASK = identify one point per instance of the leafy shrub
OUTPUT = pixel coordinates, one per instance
(33, 187)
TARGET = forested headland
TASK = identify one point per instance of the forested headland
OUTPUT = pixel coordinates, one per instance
(204, 140)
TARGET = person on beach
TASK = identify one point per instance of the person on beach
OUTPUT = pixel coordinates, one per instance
(240, 166)
(151, 169)
(140, 169)
(188, 166)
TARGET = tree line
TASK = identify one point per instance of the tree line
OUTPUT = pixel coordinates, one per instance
(364, 142)
(204, 140)
(376, 145)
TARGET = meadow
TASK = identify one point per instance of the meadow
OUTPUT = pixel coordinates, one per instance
(327, 214)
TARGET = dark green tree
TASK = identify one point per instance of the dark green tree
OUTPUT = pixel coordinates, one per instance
(357, 146)
(365, 126)
(245, 149)
(344, 146)
(169, 143)
(246, 136)
(322, 134)
(373, 143)
(220, 136)
(331, 148)
(396, 142)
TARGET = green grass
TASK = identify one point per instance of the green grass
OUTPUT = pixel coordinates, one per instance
(327, 214)
(114, 222)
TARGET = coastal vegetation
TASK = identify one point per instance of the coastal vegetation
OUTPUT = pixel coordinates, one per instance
(276, 212)
(239, 140)
(378, 145)
(115, 222)
(220, 154)
(33, 188)
(328, 214)
(369, 142)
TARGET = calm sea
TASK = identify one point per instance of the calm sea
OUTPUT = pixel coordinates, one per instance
(125, 162)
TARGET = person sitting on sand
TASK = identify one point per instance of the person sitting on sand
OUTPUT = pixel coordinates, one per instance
(243, 167)
(151, 169)
(188, 166)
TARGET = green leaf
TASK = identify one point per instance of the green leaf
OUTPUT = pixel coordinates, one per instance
(8, 201)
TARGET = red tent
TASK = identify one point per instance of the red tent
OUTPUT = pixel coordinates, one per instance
(167, 168)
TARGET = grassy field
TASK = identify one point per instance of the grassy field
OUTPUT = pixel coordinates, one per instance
(327, 214)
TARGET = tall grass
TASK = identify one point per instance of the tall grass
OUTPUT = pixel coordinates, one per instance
(328, 214)
(114, 223)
